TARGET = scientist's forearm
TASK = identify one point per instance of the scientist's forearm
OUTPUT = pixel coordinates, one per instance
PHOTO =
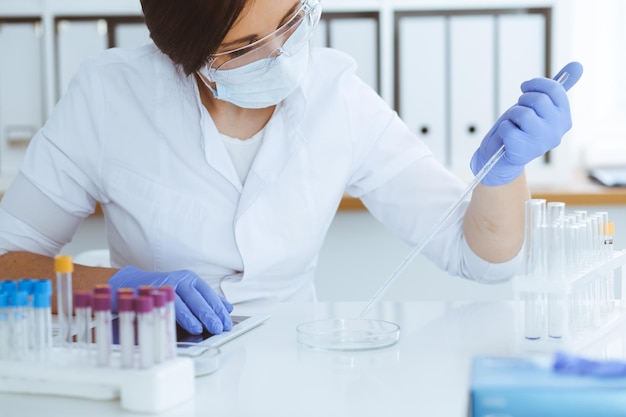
(17, 265)
(494, 222)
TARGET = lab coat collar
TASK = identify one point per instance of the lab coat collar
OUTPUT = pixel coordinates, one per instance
(281, 141)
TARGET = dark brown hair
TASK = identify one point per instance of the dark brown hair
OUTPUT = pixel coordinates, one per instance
(189, 31)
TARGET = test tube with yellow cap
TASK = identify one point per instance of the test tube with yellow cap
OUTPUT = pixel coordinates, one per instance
(63, 268)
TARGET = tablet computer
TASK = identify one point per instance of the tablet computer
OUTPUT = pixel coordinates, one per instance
(241, 325)
(609, 176)
(192, 344)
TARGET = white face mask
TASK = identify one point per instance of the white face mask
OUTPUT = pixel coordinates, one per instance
(255, 86)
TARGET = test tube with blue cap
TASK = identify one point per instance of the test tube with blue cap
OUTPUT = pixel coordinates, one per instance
(19, 335)
(9, 288)
(42, 319)
(5, 329)
(26, 284)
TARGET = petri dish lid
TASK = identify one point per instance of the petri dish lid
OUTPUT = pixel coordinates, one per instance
(348, 334)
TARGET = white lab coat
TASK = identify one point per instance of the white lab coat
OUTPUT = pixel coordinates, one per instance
(132, 133)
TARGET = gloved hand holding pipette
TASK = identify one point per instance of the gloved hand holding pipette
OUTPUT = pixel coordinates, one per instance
(202, 306)
(530, 128)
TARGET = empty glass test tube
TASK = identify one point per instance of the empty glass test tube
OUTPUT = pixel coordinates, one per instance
(556, 266)
(534, 211)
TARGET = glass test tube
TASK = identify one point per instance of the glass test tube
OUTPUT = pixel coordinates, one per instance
(64, 267)
(126, 318)
(606, 244)
(598, 284)
(104, 335)
(145, 330)
(593, 225)
(555, 247)
(42, 291)
(613, 287)
(170, 330)
(533, 262)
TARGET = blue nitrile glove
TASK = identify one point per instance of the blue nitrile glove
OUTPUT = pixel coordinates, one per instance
(566, 363)
(529, 129)
(196, 303)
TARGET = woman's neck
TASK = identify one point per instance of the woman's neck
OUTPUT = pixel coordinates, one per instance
(232, 120)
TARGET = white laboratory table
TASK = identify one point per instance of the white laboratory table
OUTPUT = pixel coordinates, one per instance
(267, 373)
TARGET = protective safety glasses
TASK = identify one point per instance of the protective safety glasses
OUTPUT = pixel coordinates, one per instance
(273, 45)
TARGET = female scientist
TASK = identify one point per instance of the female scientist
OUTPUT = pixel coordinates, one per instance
(220, 153)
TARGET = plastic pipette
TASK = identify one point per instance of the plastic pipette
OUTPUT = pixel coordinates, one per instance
(561, 78)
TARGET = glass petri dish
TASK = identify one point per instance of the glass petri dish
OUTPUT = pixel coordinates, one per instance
(348, 334)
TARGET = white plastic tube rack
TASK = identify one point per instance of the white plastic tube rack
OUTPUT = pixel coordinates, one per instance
(69, 374)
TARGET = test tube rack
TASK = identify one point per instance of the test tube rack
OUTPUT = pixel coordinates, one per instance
(574, 334)
(67, 372)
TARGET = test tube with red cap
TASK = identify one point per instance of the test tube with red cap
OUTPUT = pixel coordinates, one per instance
(145, 290)
(145, 330)
(160, 325)
(102, 289)
(170, 329)
(82, 309)
(126, 314)
(104, 335)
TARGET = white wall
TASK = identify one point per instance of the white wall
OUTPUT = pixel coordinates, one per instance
(594, 33)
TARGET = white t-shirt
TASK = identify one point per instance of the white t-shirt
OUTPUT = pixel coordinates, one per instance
(132, 134)
(242, 152)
